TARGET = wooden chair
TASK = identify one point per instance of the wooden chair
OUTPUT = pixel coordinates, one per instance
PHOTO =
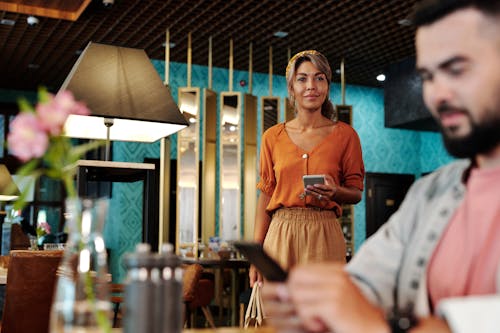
(244, 300)
(116, 297)
(198, 292)
(18, 239)
(4, 261)
(29, 292)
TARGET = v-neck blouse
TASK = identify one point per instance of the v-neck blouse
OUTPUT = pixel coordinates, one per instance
(282, 165)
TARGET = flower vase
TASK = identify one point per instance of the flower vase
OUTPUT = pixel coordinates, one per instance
(82, 301)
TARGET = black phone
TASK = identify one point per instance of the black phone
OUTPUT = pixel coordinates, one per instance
(255, 253)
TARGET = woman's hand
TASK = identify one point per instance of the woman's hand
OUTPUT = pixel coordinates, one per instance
(254, 275)
(324, 191)
(332, 192)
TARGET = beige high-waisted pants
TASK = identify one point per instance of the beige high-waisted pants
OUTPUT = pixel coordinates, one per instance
(304, 235)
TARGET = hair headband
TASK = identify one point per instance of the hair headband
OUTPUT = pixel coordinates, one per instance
(299, 55)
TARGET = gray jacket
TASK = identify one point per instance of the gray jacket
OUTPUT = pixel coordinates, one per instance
(391, 266)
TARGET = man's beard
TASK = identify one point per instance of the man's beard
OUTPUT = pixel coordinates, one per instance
(483, 137)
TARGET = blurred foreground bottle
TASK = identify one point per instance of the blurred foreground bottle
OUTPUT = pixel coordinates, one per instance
(81, 302)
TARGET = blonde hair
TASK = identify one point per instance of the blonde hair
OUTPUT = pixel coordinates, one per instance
(321, 63)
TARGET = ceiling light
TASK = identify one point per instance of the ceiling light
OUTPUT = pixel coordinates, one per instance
(381, 77)
(7, 22)
(405, 22)
(33, 66)
(172, 45)
(280, 34)
(32, 20)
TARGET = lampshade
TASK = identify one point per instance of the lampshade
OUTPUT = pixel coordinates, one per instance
(8, 189)
(121, 83)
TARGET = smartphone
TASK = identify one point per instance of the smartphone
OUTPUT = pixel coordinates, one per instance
(255, 253)
(313, 179)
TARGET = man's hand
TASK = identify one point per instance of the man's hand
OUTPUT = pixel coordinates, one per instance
(280, 312)
(325, 298)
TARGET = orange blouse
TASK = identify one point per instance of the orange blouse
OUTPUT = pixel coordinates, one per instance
(282, 165)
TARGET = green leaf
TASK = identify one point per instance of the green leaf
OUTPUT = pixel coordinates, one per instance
(28, 167)
(53, 173)
(25, 105)
(20, 203)
(43, 95)
(86, 147)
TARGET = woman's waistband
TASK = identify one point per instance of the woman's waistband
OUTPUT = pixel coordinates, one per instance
(304, 213)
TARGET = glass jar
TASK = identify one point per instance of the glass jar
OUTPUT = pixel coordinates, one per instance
(82, 301)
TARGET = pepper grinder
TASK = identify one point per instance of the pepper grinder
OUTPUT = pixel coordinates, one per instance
(140, 290)
(171, 290)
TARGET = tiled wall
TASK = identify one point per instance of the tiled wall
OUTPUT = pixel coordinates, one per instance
(384, 150)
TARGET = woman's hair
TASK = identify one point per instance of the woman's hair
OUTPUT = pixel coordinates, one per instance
(318, 60)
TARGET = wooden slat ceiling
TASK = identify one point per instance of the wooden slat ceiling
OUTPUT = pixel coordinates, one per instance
(366, 33)
(58, 9)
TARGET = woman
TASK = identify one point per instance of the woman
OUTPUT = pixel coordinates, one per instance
(297, 224)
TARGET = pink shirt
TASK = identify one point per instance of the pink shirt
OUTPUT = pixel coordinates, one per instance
(466, 259)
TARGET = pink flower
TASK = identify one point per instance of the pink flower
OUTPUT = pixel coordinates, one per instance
(45, 227)
(26, 138)
(53, 114)
(66, 100)
(51, 117)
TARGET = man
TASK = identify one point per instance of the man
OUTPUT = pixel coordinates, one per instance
(434, 266)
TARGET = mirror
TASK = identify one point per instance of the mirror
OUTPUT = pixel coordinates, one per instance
(229, 163)
(188, 173)
(270, 107)
(250, 165)
(208, 165)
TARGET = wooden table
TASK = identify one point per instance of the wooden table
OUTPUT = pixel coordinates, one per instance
(265, 329)
(3, 276)
(220, 264)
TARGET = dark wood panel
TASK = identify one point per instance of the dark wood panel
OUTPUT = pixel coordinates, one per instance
(403, 103)
(384, 194)
(58, 9)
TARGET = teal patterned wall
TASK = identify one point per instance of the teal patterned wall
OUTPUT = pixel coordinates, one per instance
(123, 228)
(385, 150)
